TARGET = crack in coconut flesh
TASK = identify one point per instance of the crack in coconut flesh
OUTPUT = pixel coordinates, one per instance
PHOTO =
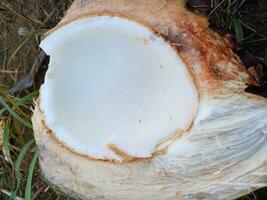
(143, 101)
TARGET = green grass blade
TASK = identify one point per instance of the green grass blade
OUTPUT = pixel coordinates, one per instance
(238, 29)
(6, 135)
(14, 114)
(21, 102)
(40, 32)
(28, 98)
(22, 154)
(6, 192)
(28, 190)
(17, 165)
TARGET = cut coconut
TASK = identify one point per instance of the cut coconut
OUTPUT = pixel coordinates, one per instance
(115, 88)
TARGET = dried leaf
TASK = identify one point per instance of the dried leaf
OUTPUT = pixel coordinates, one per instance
(24, 83)
(28, 80)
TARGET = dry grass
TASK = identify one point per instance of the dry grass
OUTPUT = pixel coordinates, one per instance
(22, 22)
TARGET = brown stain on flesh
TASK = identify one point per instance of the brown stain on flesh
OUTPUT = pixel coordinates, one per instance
(125, 157)
(143, 40)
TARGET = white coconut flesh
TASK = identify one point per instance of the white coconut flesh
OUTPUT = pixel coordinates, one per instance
(113, 82)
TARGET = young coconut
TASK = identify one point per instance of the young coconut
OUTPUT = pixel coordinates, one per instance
(143, 101)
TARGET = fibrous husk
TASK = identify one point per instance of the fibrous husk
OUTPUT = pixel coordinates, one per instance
(221, 156)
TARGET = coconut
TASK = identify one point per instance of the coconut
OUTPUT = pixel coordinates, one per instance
(143, 101)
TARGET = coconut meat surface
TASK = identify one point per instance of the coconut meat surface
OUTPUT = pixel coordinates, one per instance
(112, 81)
